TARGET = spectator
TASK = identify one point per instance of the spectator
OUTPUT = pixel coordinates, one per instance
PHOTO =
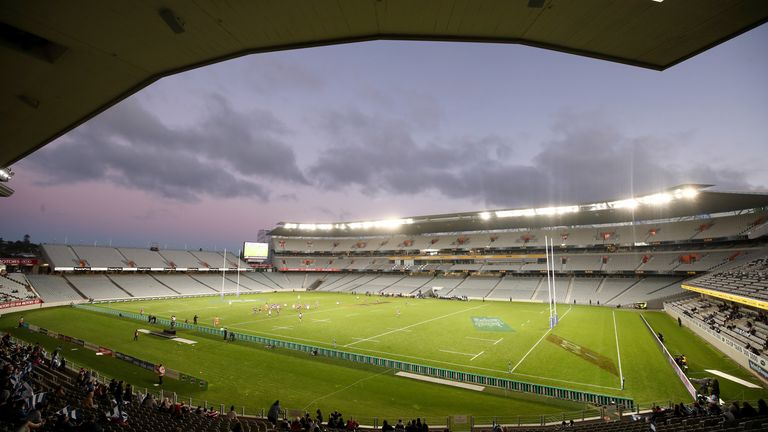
(231, 415)
(386, 427)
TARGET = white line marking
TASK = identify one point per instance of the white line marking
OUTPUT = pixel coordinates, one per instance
(481, 339)
(369, 340)
(537, 343)
(440, 381)
(618, 353)
(732, 378)
(396, 355)
(321, 320)
(477, 355)
(345, 388)
(406, 331)
(418, 323)
(500, 339)
(456, 352)
(282, 328)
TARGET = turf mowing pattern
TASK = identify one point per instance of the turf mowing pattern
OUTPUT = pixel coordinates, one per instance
(581, 353)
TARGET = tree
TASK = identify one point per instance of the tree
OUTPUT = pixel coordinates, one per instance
(26, 238)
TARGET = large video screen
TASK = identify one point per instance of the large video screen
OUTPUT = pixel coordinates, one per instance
(257, 251)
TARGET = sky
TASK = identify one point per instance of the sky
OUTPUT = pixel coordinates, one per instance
(387, 129)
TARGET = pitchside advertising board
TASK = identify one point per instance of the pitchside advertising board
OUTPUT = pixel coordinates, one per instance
(255, 251)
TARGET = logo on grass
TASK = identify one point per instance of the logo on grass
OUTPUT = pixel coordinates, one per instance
(490, 324)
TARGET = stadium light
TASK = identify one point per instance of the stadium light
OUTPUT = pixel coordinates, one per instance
(656, 199)
(6, 174)
(688, 193)
(627, 203)
(515, 213)
(556, 210)
(484, 215)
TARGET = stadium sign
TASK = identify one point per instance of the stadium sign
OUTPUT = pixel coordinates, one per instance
(18, 303)
(759, 369)
(19, 261)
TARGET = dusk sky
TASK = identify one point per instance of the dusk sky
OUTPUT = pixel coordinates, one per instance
(376, 130)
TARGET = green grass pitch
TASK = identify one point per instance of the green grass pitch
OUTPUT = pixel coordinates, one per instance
(589, 350)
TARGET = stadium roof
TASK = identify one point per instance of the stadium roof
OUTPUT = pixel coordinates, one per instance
(65, 62)
(678, 202)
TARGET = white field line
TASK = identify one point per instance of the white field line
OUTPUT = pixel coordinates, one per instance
(732, 378)
(537, 343)
(396, 355)
(474, 387)
(480, 339)
(414, 325)
(500, 339)
(370, 340)
(457, 352)
(347, 387)
(618, 353)
(321, 320)
(282, 328)
(406, 331)
(477, 355)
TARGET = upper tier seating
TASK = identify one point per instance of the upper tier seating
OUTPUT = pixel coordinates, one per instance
(97, 256)
(748, 280)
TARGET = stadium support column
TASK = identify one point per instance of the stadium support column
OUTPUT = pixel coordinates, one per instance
(554, 285)
(549, 285)
(223, 273)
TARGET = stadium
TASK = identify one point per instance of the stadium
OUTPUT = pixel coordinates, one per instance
(641, 312)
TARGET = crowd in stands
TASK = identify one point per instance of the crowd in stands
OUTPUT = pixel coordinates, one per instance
(747, 327)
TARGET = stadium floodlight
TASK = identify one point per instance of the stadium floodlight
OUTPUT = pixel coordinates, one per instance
(556, 210)
(290, 226)
(656, 199)
(627, 203)
(515, 213)
(308, 227)
(325, 227)
(688, 193)
(484, 215)
(6, 174)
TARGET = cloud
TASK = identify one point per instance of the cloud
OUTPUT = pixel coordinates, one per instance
(226, 153)
(586, 159)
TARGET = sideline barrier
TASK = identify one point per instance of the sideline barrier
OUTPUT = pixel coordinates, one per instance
(680, 374)
(169, 373)
(467, 377)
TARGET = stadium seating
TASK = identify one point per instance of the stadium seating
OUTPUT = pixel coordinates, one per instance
(743, 326)
(142, 285)
(584, 290)
(60, 256)
(476, 287)
(749, 279)
(101, 257)
(180, 259)
(515, 288)
(143, 258)
(52, 288)
(14, 286)
(183, 284)
(97, 287)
